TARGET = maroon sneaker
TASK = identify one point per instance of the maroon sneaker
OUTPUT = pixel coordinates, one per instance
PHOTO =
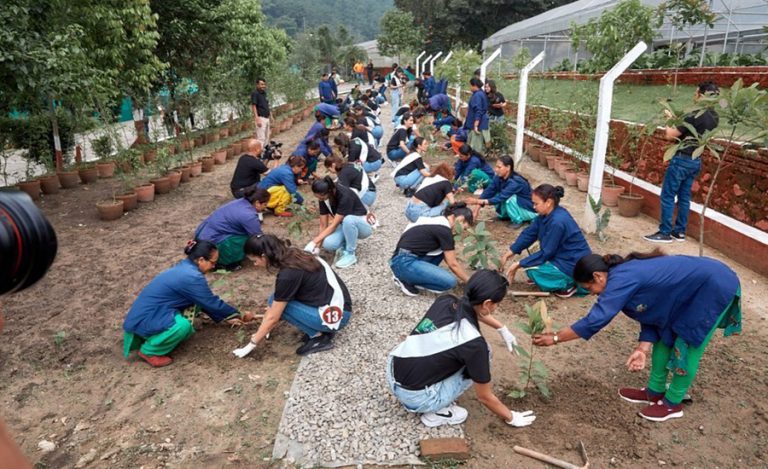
(157, 360)
(639, 396)
(661, 411)
(566, 293)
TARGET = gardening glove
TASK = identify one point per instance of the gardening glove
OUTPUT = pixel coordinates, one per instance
(312, 248)
(508, 339)
(248, 348)
(522, 419)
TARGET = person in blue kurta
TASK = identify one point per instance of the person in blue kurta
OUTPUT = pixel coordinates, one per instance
(318, 132)
(326, 114)
(230, 226)
(679, 301)
(311, 154)
(281, 185)
(561, 245)
(429, 84)
(440, 103)
(472, 169)
(508, 192)
(154, 324)
(325, 90)
(476, 122)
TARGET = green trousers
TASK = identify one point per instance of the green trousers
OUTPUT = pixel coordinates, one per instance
(477, 140)
(662, 354)
(477, 180)
(511, 210)
(232, 250)
(162, 343)
(549, 278)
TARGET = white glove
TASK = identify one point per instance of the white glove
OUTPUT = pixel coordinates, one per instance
(508, 339)
(312, 248)
(248, 348)
(522, 419)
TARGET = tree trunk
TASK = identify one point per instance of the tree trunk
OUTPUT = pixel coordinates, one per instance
(138, 124)
(720, 162)
(58, 154)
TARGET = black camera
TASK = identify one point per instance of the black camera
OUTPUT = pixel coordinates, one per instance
(272, 151)
(27, 242)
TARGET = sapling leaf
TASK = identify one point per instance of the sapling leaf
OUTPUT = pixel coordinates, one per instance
(544, 389)
(545, 317)
(521, 351)
(517, 394)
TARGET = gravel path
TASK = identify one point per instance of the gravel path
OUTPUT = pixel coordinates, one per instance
(340, 411)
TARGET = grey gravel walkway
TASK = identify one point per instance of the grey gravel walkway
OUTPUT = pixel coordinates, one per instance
(340, 411)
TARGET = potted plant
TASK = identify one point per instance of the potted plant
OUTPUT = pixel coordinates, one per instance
(30, 184)
(110, 209)
(87, 172)
(611, 191)
(630, 204)
(164, 164)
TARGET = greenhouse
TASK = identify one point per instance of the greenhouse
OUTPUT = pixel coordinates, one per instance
(738, 29)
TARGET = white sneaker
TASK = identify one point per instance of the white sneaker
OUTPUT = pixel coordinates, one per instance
(373, 177)
(451, 415)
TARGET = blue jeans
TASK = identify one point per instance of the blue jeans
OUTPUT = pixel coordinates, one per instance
(413, 210)
(432, 398)
(677, 182)
(395, 98)
(369, 198)
(422, 271)
(351, 229)
(374, 166)
(380, 99)
(377, 132)
(412, 179)
(396, 155)
(306, 317)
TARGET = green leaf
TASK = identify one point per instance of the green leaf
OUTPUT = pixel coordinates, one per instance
(543, 389)
(671, 151)
(521, 351)
(517, 394)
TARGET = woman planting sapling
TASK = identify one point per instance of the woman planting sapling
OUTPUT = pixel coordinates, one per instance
(679, 301)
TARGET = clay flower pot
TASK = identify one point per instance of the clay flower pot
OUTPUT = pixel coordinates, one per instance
(150, 155)
(49, 184)
(219, 157)
(68, 179)
(110, 210)
(88, 175)
(198, 142)
(230, 152)
(213, 137)
(145, 192)
(174, 177)
(130, 200)
(106, 169)
(561, 166)
(186, 173)
(162, 185)
(571, 176)
(611, 195)
(224, 132)
(582, 182)
(196, 169)
(32, 188)
(208, 163)
(551, 161)
(543, 158)
(630, 205)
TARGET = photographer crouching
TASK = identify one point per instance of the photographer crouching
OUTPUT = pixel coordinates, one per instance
(255, 162)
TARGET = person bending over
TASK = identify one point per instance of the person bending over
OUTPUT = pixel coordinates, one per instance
(359, 151)
(249, 168)
(509, 192)
(281, 185)
(472, 169)
(412, 170)
(353, 177)
(433, 194)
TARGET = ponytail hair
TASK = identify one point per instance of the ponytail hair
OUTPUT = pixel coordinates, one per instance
(325, 186)
(589, 264)
(416, 142)
(485, 284)
(509, 162)
(334, 161)
(280, 254)
(444, 170)
(342, 141)
(547, 191)
(460, 209)
(256, 194)
(196, 249)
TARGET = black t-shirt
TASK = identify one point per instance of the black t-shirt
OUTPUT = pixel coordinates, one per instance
(418, 163)
(347, 203)
(247, 172)
(356, 150)
(402, 110)
(708, 120)
(311, 288)
(416, 373)
(423, 239)
(498, 99)
(351, 177)
(360, 133)
(400, 135)
(434, 194)
(259, 99)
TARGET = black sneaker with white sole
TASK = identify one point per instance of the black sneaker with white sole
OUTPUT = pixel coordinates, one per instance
(320, 343)
(659, 237)
(407, 288)
(680, 237)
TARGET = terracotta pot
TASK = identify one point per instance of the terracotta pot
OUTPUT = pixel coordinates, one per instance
(196, 169)
(162, 185)
(145, 192)
(561, 166)
(198, 142)
(110, 210)
(186, 173)
(543, 158)
(570, 177)
(551, 161)
(32, 188)
(68, 179)
(174, 177)
(213, 137)
(630, 205)
(49, 184)
(208, 163)
(88, 175)
(219, 157)
(611, 195)
(237, 147)
(224, 132)
(130, 200)
(150, 155)
(582, 182)
(297, 118)
(106, 169)
(186, 144)
(243, 126)
(533, 152)
(230, 152)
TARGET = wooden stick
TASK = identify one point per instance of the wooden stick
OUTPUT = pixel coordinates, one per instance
(547, 459)
(529, 293)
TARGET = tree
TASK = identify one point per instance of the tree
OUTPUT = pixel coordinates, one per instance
(399, 34)
(609, 37)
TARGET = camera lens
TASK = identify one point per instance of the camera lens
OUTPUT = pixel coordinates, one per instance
(27, 242)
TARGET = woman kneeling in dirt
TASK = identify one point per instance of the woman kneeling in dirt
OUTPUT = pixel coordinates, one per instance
(679, 302)
(155, 324)
(230, 226)
(446, 353)
(308, 294)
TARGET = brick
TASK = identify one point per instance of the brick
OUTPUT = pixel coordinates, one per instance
(445, 448)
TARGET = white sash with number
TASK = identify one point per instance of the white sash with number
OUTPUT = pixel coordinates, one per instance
(363, 149)
(364, 185)
(434, 221)
(331, 314)
(406, 161)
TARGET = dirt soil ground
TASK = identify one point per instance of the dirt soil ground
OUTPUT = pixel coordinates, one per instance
(63, 377)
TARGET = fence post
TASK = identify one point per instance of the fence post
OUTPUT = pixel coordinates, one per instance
(432, 63)
(417, 61)
(521, 103)
(487, 62)
(450, 54)
(604, 103)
